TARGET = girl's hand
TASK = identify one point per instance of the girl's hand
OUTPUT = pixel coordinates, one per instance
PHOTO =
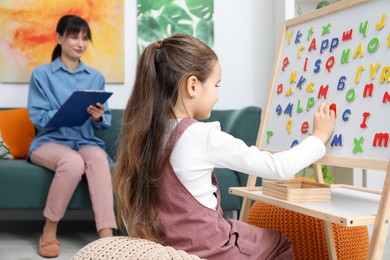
(96, 112)
(324, 122)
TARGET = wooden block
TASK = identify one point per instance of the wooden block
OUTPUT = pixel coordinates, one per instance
(297, 190)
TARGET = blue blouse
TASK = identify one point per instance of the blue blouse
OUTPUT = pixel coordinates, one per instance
(50, 86)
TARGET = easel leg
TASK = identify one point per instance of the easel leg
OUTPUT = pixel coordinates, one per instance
(330, 240)
(246, 203)
(327, 225)
(318, 173)
(381, 226)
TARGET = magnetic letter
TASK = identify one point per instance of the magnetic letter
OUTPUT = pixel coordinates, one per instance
(346, 115)
(326, 29)
(289, 109)
(305, 66)
(285, 63)
(329, 63)
(317, 66)
(359, 51)
(358, 74)
(310, 33)
(269, 134)
(279, 89)
(341, 84)
(386, 97)
(345, 55)
(300, 82)
(300, 49)
(310, 103)
(358, 145)
(294, 143)
(297, 38)
(310, 87)
(366, 115)
(347, 35)
(363, 28)
(293, 76)
(368, 90)
(374, 69)
(334, 108)
(379, 26)
(289, 36)
(337, 140)
(324, 45)
(323, 92)
(278, 110)
(289, 125)
(305, 127)
(385, 76)
(334, 44)
(373, 45)
(313, 45)
(299, 107)
(351, 95)
(381, 139)
(289, 92)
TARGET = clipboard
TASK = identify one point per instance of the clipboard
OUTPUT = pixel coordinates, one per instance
(74, 111)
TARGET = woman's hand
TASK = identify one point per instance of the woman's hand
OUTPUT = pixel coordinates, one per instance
(96, 112)
(324, 122)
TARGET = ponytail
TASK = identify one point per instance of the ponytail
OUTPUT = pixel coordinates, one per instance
(56, 52)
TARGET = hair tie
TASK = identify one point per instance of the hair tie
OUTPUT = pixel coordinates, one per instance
(159, 44)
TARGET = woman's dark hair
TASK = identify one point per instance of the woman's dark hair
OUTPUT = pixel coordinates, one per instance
(162, 69)
(68, 25)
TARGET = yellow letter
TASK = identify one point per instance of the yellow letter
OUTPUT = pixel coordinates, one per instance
(374, 68)
(358, 74)
(379, 26)
(385, 76)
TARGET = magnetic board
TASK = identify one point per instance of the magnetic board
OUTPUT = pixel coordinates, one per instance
(337, 55)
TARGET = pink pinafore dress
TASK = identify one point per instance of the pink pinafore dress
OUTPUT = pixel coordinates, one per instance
(190, 226)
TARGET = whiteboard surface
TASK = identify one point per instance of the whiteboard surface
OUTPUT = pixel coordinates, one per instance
(375, 45)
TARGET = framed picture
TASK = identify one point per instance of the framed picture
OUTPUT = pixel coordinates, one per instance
(27, 36)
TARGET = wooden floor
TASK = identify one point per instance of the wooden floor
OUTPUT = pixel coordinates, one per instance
(19, 238)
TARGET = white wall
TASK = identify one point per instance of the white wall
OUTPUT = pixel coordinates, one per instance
(245, 36)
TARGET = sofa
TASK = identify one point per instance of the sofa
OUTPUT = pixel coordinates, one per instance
(24, 186)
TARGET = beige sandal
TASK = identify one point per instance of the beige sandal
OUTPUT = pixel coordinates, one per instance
(50, 248)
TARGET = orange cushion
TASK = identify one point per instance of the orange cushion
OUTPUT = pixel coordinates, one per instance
(17, 130)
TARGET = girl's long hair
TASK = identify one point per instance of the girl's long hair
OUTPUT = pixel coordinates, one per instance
(162, 68)
(67, 25)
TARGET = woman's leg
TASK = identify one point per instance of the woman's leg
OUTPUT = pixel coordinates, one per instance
(69, 168)
(98, 176)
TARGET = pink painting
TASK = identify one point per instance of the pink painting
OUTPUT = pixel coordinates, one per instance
(27, 36)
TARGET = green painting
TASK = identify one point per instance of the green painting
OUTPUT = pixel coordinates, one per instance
(158, 19)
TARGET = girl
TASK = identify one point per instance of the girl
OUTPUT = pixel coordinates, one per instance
(70, 151)
(164, 182)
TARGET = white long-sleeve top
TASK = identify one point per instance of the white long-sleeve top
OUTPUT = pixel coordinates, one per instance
(203, 147)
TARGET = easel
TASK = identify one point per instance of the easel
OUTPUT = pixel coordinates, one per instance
(380, 221)
(340, 210)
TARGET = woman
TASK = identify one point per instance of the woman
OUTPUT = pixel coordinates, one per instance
(70, 152)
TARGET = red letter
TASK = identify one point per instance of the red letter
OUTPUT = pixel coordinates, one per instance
(323, 92)
(305, 127)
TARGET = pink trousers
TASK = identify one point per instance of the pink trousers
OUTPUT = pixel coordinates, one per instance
(69, 167)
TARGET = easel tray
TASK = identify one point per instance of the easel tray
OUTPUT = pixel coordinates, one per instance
(297, 190)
